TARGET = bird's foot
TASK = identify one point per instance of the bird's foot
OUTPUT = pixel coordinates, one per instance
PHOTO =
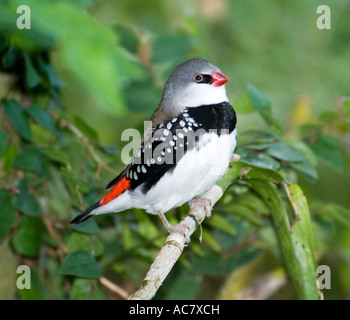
(206, 203)
(178, 228)
(182, 229)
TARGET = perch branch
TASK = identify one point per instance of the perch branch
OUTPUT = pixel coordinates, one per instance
(172, 249)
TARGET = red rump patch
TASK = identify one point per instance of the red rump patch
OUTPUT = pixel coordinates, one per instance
(117, 190)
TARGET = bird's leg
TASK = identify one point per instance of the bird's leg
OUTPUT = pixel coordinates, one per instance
(179, 228)
(206, 203)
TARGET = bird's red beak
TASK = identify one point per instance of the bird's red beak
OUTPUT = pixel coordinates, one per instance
(218, 79)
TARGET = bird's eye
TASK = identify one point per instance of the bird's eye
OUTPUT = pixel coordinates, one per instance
(198, 77)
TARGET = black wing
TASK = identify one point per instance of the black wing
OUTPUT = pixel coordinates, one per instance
(168, 142)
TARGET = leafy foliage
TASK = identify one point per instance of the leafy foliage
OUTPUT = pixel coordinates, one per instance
(53, 164)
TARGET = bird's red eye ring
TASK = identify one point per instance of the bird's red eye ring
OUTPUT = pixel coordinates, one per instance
(198, 77)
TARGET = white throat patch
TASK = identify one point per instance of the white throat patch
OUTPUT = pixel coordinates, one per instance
(196, 95)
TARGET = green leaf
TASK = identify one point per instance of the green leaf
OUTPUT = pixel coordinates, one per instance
(245, 212)
(79, 241)
(10, 58)
(54, 81)
(127, 38)
(311, 129)
(60, 199)
(207, 264)
(7, 213)
(18, 118)
(27, 239)
(3, 142)
(8, 157)
(85, 289)
(171, 49)
(4, 41)
(262, 104)
(32, 76)
(326, 149)
(303, 240)
(299, 156)
(113, 150)
(259, 100)
(261, 160)
(246, 171)
(209, 239)
(296, 242)
(127, 238)
(30, 159)
(73, 179)
(243, 104)
(305, 150)
(306, 169)
(27, 204)
(101, 78)
(329, 116)
(250, 200)
(57, 156)
(88, 226)
(81, 264)
(263, 137)
(346, 105)
(332, 140)
(297, 247)
(220, 222)
(337, 212)
(42, 118)
(284, 151)
(65, 22)
(273, 123)
(85, 129)
(302, 229)
(145, 225)
(142, 96)
(185, 286)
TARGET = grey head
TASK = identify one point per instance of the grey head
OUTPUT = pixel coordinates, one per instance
(193, 83)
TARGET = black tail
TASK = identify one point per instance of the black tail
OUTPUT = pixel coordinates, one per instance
(85, 214)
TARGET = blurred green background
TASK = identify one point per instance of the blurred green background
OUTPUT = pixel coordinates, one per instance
(101, 65)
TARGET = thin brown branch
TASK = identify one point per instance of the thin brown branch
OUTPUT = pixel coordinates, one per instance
(51, 230)
(114, 288)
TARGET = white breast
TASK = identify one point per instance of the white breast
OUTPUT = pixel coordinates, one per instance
(195, 173)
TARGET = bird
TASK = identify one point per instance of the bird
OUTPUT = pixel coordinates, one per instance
(184, 152)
